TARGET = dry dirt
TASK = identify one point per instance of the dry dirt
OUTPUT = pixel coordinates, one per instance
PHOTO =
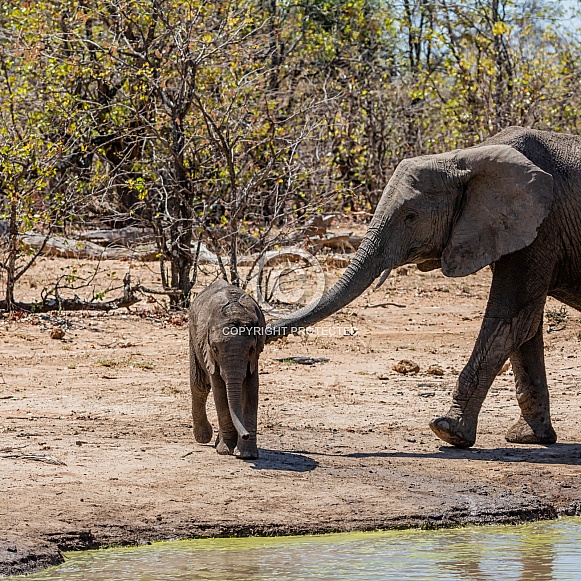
(344, 445)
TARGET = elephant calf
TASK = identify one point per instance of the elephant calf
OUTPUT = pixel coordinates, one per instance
(226, 339)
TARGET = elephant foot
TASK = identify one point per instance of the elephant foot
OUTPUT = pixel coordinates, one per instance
(203, 432)
(246, 450)
(453, 431)
(224, 447)
(534, 432)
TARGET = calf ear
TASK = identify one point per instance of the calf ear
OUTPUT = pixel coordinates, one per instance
(253, 363)
(260, 340)
(207, 354)
(505, 199)
(251, 305)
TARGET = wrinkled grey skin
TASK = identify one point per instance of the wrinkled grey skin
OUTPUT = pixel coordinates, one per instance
(225, 360)
(514, 203)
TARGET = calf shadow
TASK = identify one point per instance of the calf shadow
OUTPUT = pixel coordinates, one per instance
(555, 454)
(280, 460)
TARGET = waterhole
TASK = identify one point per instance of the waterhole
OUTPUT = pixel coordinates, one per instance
(543, 551)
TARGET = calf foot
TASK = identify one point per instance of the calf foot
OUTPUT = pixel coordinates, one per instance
(203, 432)
(224, 447)
(454, 430)
(246, 450)
(532, 432)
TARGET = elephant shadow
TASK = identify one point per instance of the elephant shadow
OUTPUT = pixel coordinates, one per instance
(280, 460)
(555, 454)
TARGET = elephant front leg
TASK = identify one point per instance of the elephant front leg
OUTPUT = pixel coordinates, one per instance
(532, 393)
(513, 316)
(227, 435)
(458, 426)
(200, 389)
(248, 449)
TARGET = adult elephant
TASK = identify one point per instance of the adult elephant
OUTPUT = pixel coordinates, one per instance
(513, 202)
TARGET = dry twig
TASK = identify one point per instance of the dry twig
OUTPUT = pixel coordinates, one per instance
(35, 457)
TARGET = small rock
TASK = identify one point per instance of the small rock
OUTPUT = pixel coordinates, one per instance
(435, 370)
(406, 366)
(57, 333)
(427, 394)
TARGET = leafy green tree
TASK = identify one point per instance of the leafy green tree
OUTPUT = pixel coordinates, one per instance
(36, 137)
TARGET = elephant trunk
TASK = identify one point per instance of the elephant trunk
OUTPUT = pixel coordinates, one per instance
(234, 380)
(363, 269)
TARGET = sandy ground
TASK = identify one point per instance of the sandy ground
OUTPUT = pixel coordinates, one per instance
(344, 445)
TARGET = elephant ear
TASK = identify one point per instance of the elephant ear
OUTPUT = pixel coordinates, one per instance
(252, 307)
(207, 355)
(506, 197)
(261, 339)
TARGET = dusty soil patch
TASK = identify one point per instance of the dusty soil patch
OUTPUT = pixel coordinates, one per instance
(344, 445)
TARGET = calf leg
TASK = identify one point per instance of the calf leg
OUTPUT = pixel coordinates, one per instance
(227, 435)
(247, 449)
(200, 390)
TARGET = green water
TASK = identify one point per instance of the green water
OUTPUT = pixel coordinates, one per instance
(546, 551)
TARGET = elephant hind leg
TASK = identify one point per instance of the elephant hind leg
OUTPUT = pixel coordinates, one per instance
(534, 425)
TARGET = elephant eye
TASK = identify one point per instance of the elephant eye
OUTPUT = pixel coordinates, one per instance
(410, 217)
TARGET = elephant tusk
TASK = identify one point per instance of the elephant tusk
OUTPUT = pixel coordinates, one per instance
(382, 278)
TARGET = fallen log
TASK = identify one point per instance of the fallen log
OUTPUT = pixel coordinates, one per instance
(61, 247)
(338, 242)
(83, 249)
(129, 236)
(76, 304)
(71, 248)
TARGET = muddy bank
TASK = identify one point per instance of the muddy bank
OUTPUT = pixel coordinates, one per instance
(19, 556)
(345, 445)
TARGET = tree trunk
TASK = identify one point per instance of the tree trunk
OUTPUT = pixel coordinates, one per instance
(12, 255)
